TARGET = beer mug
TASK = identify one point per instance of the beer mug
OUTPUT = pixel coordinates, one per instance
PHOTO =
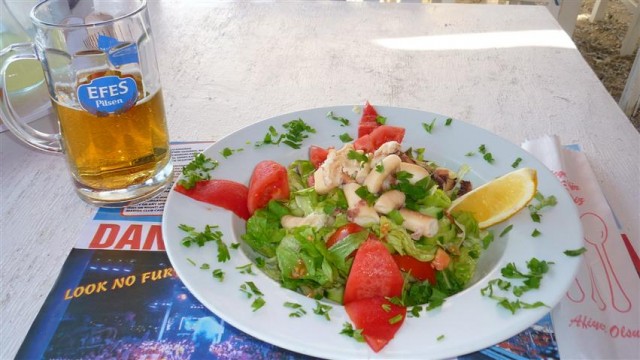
(102, 77)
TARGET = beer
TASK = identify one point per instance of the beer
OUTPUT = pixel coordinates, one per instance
(102, 76)
(115, 151)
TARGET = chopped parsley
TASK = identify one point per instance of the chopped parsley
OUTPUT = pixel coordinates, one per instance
(226, 152)
(200, 238)
(530, 280)
(258, 303)
(366, 195)
(246, 269)
(348, 330)
(251, 290)
(415, 311)
(218, 274)
(386, 307)
(536, 233)
(506, 230)
(322, 310)
(297, 131)
(360, 157)
(576, 252)
(516, 163)
(205, 266)
(429, 127)
(487, 156)
(380, 168)
(448, 122)
(198, 169)
(440, 338)
(541, 203)
(340, 119)
(298, 310)
(345, 138)
(381, 120)
(396, 319)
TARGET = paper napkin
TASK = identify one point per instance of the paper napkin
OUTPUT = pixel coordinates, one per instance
(599, 317)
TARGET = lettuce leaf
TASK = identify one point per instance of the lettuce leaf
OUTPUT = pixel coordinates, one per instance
(400, 240)
(302, 259)
(264, 231)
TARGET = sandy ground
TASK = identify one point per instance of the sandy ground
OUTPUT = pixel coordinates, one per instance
(600, 43)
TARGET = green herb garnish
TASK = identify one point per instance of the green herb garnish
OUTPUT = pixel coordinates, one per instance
(429, 127)
(381, 120)
(198, 169)
(343, 121)
(226, 152)
(396, 319)
(366, 195)
(297, 131)
(448, 122)
(530, 280)
(354, 155)
(218, 274)
(516, 163)
(258, 303)
(322, 310)
(536, 233)
(506, 230)
(345, 138)
(415, 311)
(299, 311)
(348, 330)
(246, 269)
(201, 238)
(576, 252)
(541, 203)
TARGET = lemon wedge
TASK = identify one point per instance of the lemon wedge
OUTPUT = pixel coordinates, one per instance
(499, 199)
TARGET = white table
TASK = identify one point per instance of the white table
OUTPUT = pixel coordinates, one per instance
(508, 69)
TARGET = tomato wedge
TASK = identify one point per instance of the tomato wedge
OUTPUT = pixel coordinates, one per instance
(342, 232)
(317, 155)
(269, 181)
(368, 121)
(223, 193)
(378, 318)
(420, 270)
(373, 273)
(380, 135)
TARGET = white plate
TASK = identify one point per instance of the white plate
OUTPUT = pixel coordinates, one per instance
(468, 321)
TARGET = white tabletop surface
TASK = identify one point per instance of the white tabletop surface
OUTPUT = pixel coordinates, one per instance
(508, 69)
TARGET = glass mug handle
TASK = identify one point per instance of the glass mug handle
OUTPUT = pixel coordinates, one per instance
(40, 140)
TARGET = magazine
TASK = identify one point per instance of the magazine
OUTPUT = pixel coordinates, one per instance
(118, 297)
